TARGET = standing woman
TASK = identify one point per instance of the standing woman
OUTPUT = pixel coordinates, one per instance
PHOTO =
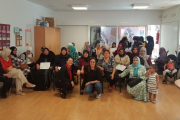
(108, 65)
(134, 54)
(65, 77)
(73, 54)
(17, 74)
(136, 70)
(147, 58)
(150, 45)
(92, 78)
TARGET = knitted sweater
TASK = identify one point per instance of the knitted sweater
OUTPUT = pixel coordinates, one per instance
(124, 59)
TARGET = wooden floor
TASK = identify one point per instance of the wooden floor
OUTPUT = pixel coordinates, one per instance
(112, 106)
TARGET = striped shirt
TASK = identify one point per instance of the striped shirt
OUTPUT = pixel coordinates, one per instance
(152, 79)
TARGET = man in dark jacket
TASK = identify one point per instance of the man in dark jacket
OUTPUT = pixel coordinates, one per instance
(150, 45)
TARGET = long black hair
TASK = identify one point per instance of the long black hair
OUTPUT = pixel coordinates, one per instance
(89, 66)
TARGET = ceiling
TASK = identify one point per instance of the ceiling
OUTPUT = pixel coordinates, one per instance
(64, 5)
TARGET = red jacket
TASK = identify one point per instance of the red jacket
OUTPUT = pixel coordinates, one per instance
(6, 64)
(82, 62)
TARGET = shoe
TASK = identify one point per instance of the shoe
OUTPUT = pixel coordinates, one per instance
(110, 89)
(30, 85)
(92, 95)
(81, 93)
(63, 96)
(20, 93)
(98, 96)
(149, 100)
(113, 87)
(154, 101)
(4, 96)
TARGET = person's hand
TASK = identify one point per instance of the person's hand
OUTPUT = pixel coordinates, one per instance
(78, 72)
(82, 71)
(56, 69)
(72, 83)
(131, 41)
(87, 83)
(37, 66)
(101, 68)
(51, 67)
(9, 68)
(112, 76)
(119, 75)
(122, 63)
(8, 75)
(157, 87)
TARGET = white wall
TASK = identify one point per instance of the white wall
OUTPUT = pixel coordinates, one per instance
(77, 34)
(18, 13)
(170, 29)
(136, 17)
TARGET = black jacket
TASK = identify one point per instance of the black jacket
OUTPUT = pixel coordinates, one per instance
(60, 60)
(50, 58)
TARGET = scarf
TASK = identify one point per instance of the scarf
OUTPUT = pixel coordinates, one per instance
(145, 57)
(136, 67)
(87, 58)
(134, 54)
(73, 50)
(12, 49)
(119, 46)
(69, 71)
(123, 54)
(5, 54)
(61, 55)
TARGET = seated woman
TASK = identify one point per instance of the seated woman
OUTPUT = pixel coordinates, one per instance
(108, 65)
(42, 76)
(17, 74)
(18, 62)
(28, 57)
(72, 52)
(147, 58)
(84, 60)
(61, 59)
(122, 59)
(134, 54)
(65, 77)
(92, 79)
(136, 70)
(7, 81)
(117, 51)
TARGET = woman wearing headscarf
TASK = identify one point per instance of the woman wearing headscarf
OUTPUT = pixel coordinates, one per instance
(88, 48)
(17, 74)
(42, 76)
(136, 70)
(134, 53)
(73, 54)
(61, 59)
(84, 60)
(136, 41)
(150, 45)
(18, 62)
(27, 56)
(125, 43)
(147, 58)
(117, 51)
(161, 60)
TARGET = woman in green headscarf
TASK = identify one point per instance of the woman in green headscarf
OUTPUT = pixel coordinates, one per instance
(73, 54)
(136, 70)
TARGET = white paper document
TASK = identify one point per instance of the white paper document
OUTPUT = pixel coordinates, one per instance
(59, 68)
(113, 49)
(44, 65)
(120, 67)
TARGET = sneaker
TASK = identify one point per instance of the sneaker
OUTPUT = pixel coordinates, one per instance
(63, 96)
(92, 94)
(110, 89)
(149, 100)
(98, 96)
(113, 87)
(154, 101)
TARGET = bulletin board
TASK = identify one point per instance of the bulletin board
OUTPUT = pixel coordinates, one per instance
(4, 36)
(18, 37)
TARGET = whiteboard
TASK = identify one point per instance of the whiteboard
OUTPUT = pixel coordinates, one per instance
(169, 37)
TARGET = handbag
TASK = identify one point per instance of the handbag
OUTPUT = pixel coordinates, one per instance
(133, 81)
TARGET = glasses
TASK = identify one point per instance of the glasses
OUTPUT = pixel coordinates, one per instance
(92, 62)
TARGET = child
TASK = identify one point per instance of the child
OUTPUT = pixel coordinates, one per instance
(153, 83)
(169, 68)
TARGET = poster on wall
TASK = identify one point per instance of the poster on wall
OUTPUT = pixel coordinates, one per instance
(4, 36)
(103, 35)
(131, 31)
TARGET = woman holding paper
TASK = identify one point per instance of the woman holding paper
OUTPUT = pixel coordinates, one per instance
(136, 70)
(17, 74)
(41, 76)
(65, 77)
(122, 60)
(108, 65)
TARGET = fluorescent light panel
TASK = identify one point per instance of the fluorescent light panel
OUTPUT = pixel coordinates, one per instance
(79, 7)
(141, 6)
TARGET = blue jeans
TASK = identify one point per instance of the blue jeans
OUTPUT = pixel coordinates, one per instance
(98, 87)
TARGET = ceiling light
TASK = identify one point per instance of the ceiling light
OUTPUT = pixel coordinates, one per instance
(141, 6)
(79, 7)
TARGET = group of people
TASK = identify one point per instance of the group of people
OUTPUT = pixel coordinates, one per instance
(92, 66)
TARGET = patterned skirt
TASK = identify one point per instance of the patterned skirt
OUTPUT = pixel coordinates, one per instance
(139, 91)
